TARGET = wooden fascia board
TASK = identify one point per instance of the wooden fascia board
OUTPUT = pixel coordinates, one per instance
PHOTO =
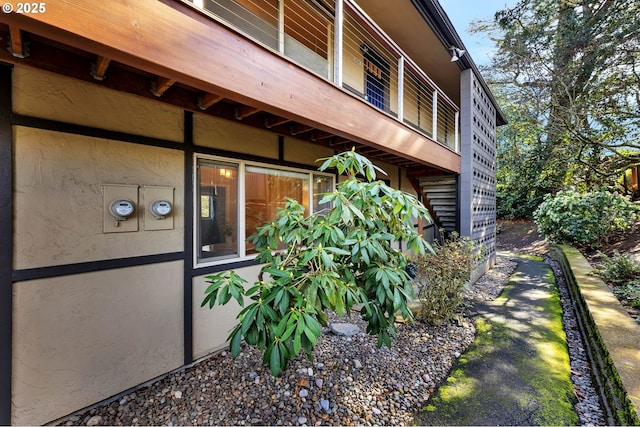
(172, 40)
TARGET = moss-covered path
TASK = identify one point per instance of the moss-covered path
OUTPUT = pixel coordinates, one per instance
(517, 370)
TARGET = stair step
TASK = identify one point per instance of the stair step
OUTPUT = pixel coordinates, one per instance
(441, 196)
(438, 189)
(433, 181)
(448, 204)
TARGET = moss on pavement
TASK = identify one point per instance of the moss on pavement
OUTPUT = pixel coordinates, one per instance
(517, 370)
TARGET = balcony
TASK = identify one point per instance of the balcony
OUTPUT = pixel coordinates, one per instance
(338, 42)
(280, 65)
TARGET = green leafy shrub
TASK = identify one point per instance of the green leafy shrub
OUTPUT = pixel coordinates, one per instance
(628, 294)
(587, 219)
(441, 277)
(331, 260)
(619, 269)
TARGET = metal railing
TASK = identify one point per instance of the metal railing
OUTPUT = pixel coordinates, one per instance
(336, 40)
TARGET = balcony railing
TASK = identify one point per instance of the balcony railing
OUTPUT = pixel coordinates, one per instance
(336, 40)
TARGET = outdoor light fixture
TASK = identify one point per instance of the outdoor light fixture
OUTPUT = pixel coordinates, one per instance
(456, 53)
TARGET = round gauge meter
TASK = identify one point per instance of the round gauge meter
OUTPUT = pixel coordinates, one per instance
(121, 209)
(161, 208)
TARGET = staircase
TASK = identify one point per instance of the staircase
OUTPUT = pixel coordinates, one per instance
(439, 195)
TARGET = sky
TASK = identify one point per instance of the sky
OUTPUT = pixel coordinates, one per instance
(462, 12)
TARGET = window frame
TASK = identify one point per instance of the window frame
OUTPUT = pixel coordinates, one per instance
(241, 208)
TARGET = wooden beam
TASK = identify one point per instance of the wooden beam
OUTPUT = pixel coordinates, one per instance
(16, 46)
(298, 129)
(320, 135)
(99, 68)
(244, 111)
(160, 86)
(371, 151)
(206, 100)
(277, 121)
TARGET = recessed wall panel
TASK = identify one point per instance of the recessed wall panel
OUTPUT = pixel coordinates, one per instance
(83, 338)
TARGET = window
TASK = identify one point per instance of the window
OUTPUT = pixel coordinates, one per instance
(376, 70)
(265, 193)
(235, 198)
(218, 208)
(322, 184)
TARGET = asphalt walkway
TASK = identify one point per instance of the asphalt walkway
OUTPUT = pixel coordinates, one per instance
(517, 370)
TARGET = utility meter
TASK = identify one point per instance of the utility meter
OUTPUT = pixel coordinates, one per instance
(160, 208)
(121, 209)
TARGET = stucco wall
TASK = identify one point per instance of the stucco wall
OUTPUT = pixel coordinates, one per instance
(83, 338)
(79, 338)
(211, 327)
(214, 132)
(56, 97)
(299, 151)
(59, 202)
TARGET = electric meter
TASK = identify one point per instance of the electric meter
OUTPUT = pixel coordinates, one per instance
(161, 208)
(121, 209)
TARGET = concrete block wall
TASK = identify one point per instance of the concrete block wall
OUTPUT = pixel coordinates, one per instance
(478, 169)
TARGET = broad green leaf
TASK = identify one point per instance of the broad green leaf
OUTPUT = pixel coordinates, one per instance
(235, 342)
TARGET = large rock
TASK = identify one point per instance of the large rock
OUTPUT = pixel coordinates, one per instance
(344, 329)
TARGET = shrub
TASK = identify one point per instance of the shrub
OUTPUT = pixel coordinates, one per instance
(586, 219)
(619, 269)
(330, 260)
(441, 277)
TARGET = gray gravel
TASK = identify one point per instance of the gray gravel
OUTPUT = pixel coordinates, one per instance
(587, 405)
(349, 382)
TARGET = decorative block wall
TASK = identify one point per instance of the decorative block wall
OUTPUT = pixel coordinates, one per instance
(478, 174)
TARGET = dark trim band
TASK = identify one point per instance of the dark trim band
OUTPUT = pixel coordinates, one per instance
(70, 128)
(201, 271)
(93, 266)
(57, 126)
(6, 243)
(187, 284)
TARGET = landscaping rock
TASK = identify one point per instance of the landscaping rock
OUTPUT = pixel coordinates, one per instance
(344, 329)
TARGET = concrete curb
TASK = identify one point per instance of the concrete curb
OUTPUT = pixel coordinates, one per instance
(611, 334)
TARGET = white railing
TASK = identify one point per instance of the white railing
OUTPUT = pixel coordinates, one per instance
(338, 41)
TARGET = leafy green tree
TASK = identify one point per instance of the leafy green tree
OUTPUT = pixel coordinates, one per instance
(571, 69)
(327, 261)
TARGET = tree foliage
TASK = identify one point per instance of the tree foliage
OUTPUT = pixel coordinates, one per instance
(568, 76)
(328, 261)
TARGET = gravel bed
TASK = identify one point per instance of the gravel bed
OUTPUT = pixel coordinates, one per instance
(587, 405)
(349, 382)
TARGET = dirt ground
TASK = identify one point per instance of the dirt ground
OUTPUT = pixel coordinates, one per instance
(520, 236)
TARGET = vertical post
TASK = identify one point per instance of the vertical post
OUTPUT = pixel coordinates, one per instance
(281, 27)
(6, 244)
(434, 129)
(188, 238)
(401, 88)
(457, 131)
(337, 46)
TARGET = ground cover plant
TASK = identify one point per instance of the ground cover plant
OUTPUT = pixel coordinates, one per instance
(622, 273)
(328, 261)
